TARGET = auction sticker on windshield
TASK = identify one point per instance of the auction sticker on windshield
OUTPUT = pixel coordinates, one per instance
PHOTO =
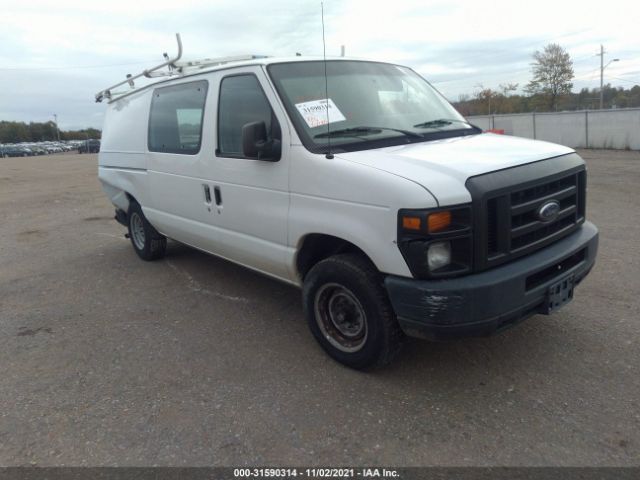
(315, 112)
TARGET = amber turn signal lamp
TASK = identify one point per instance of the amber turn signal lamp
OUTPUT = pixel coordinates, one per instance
(439, 221)
(411, 223)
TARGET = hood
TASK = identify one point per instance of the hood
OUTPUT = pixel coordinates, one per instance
(443, 166)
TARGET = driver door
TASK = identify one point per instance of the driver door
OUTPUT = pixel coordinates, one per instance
(250, 197)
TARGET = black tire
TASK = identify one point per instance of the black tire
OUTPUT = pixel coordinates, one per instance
(353, 283)
(148, 243)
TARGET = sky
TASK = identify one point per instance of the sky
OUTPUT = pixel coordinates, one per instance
(56, 54)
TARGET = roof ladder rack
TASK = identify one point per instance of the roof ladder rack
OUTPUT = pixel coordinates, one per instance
(148, 73)
(173, 68)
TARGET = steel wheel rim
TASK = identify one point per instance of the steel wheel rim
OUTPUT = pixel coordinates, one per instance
(137, 231)
(340, 317)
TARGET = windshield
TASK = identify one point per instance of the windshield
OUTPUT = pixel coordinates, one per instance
(369, 105)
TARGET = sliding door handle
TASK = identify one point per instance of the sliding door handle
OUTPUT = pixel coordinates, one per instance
(218, 196)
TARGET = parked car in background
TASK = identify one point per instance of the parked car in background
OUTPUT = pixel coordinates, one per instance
(54, 149)
(15, 151)
(89, 146)
(37, 150)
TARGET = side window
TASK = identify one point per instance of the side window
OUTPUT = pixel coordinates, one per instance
(175, 121)
(242, 101)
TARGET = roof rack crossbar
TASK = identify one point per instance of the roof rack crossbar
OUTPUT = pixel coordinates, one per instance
(212, 62)
(148, 73)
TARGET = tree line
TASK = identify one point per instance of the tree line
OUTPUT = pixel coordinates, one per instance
(550, 89)
(502, 100)
(16, 132)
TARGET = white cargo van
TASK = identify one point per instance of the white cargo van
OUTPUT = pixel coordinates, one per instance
(364, 187)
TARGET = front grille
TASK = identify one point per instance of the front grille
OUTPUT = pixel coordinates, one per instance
(526, 228)
(506, 207)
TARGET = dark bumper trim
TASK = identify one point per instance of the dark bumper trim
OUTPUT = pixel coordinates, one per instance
(490, 301)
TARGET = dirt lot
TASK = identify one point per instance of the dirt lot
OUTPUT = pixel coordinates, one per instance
(108, 360)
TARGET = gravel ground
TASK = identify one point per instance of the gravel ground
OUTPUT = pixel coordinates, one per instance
(108, 360)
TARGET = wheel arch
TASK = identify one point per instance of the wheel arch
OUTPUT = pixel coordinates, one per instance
(130, 197)
(315, 247)
(122, 186)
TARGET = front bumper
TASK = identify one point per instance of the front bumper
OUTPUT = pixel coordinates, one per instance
(486, 302)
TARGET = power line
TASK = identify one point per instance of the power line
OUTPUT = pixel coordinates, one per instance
(635, 82)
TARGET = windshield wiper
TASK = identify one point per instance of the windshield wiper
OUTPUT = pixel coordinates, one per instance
(441, 122)
(364, 130)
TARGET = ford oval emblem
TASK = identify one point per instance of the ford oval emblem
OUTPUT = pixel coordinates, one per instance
(549, 211)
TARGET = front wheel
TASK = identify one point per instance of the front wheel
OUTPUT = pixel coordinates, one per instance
(349, 312)
(148, 243)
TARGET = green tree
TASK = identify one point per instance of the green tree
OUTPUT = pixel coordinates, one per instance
(80, 134)
(505, 100)
(14, 132)
(484, 98)
(552, 71)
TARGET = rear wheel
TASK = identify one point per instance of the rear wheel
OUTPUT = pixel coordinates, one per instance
(148, 243)
(349, 313)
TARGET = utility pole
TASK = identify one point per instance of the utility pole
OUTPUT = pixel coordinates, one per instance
(55, 117)
(602, 67)
(601, 76)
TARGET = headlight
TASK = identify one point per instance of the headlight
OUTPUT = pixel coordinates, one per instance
(438, 255)
(436, 243)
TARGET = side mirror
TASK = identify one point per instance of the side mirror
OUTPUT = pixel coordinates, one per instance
(256, 145)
